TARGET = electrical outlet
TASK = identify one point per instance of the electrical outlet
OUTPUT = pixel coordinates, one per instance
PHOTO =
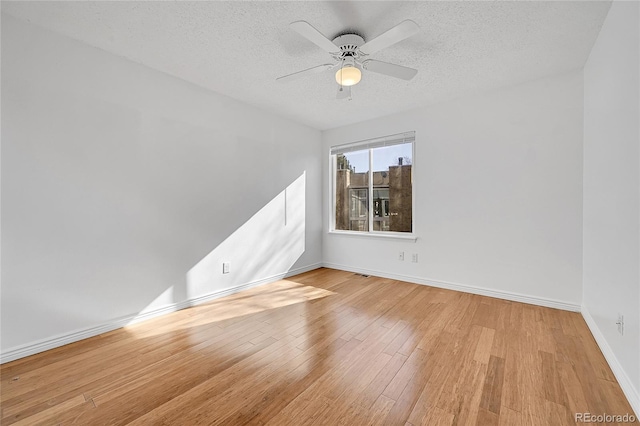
(401, 256)
(225, 268)
(414, 257)
(620, 324)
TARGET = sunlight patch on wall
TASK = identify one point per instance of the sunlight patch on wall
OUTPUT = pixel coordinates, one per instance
(164, 299)
(268, 244)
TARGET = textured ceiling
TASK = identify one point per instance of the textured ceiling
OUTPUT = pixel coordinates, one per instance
(239, 48)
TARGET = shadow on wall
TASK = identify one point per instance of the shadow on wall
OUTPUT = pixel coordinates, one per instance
(262, 250)
(264, 247)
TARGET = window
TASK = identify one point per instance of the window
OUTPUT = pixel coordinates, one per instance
(373, 185)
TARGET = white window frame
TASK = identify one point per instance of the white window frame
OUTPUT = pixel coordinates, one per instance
(372, 144)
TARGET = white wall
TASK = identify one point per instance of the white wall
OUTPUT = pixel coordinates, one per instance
(117, 180)
(498, 194)
(611, 193)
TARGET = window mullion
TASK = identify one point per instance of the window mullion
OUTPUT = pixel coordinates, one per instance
(370, 194)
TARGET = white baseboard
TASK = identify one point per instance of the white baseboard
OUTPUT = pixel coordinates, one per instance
(74, 336)
(516, 297)
(632, 394)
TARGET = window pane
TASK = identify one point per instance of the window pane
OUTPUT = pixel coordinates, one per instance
(392, 192)
(352, 183)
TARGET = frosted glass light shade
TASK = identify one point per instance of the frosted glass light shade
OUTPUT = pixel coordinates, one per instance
(348, 76)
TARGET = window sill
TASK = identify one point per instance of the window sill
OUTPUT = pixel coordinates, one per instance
(381, 235)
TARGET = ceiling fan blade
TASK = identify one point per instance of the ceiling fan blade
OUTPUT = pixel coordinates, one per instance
(393, 70)
(404, 29)
(344, 92)
(307, 31)
(304, 73)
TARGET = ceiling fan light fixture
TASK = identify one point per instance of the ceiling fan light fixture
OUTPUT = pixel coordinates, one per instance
(348, 75)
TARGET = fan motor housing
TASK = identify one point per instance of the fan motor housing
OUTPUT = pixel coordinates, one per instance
(348, 44)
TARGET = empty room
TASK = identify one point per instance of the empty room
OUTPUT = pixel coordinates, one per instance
(320, 213)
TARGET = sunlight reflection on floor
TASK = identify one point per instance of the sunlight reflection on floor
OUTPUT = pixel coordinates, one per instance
(270, 296)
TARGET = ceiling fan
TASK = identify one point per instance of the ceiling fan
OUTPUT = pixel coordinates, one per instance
(350, 54)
